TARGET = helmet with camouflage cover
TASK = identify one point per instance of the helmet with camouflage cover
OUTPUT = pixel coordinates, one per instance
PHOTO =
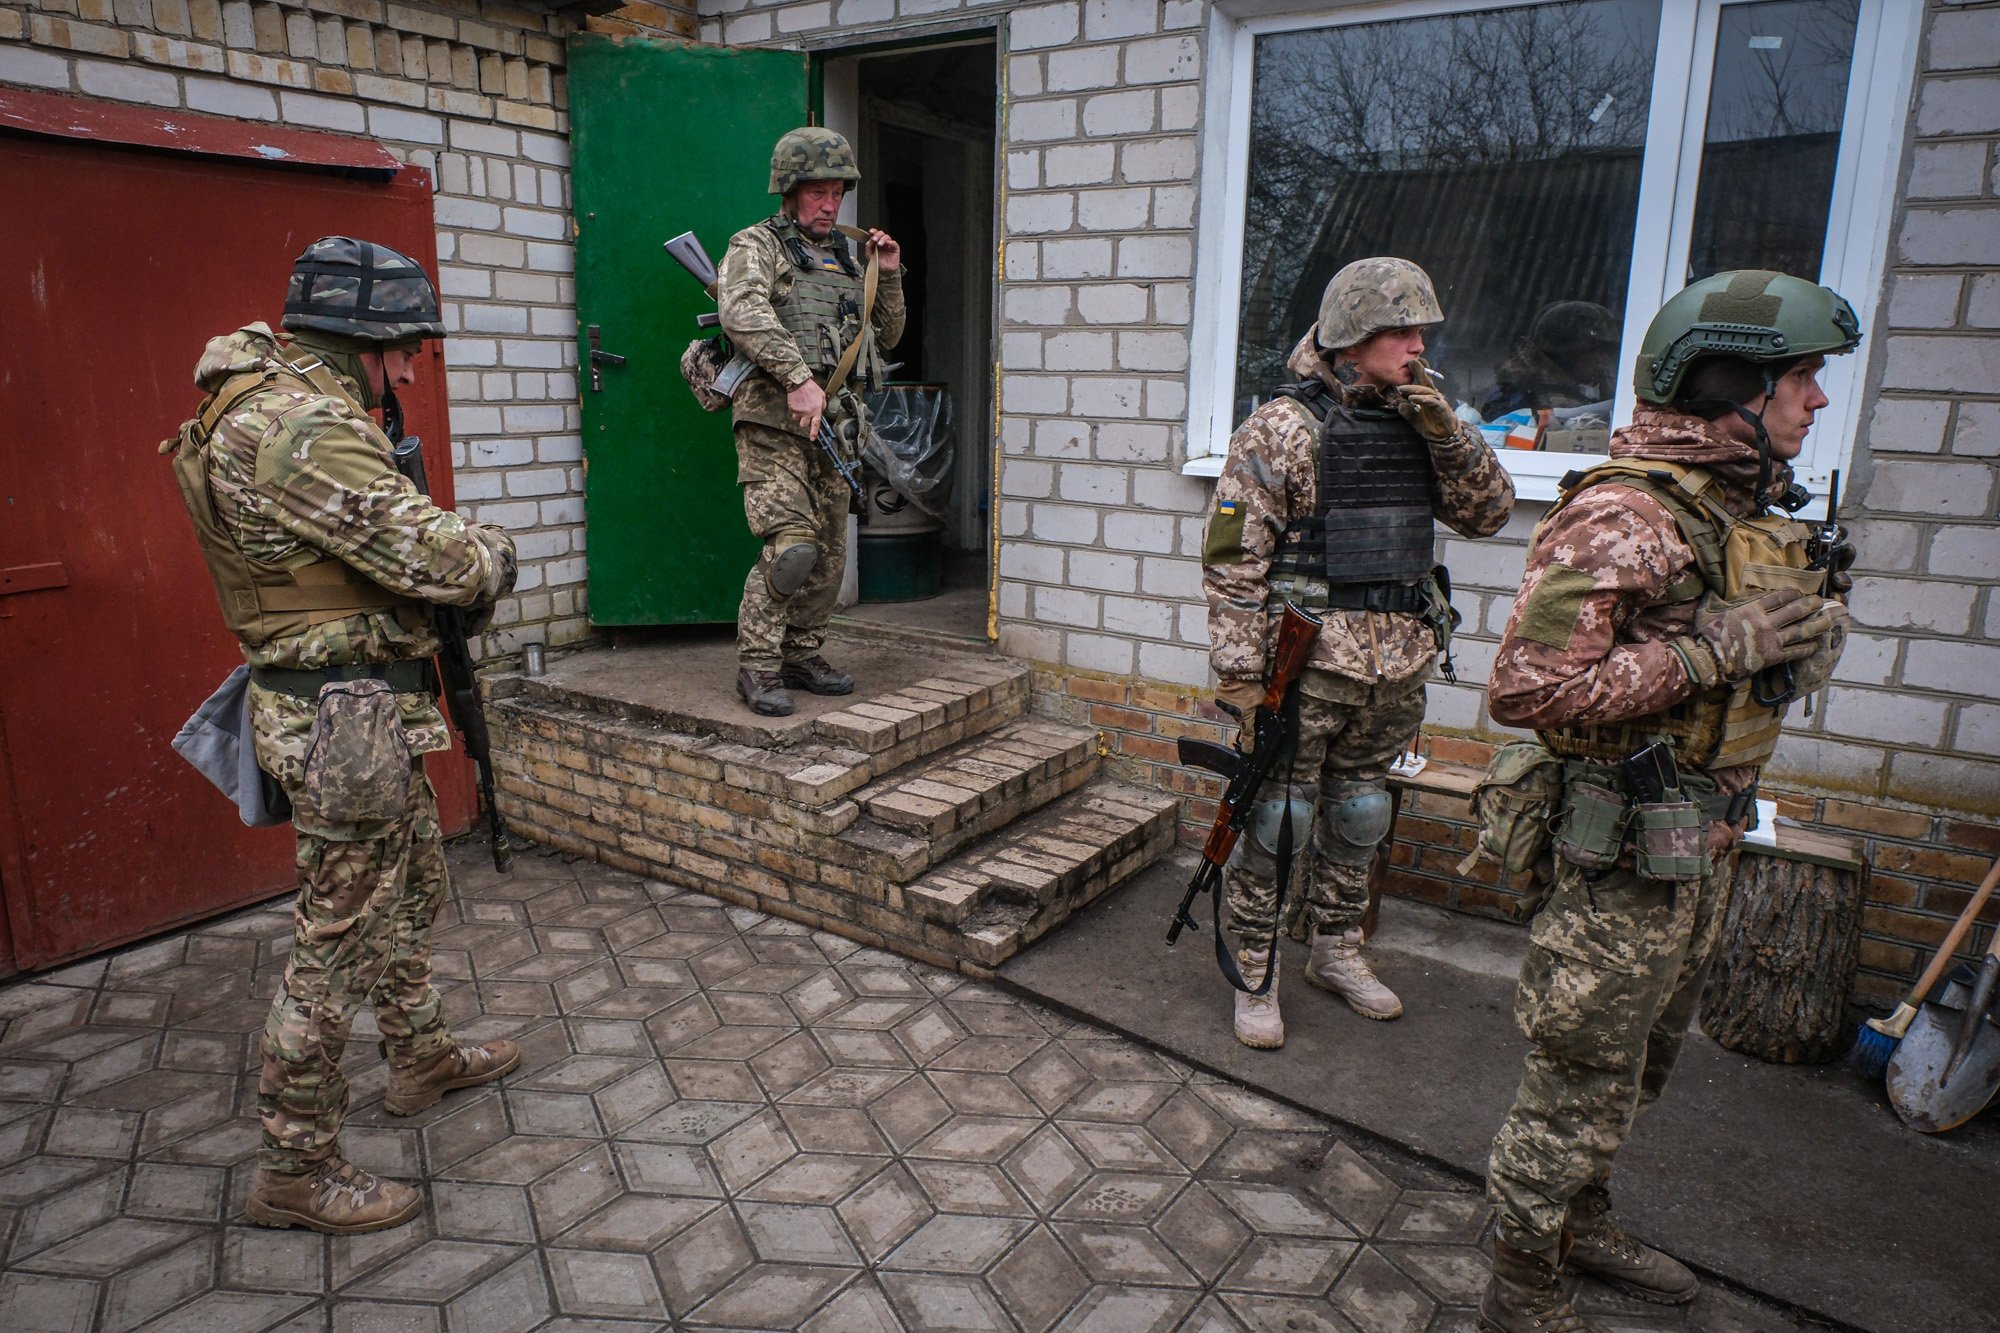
(1371, 295)
(812, 153)
(358, 289)
(1747, 315)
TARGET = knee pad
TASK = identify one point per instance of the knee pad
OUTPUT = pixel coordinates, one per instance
(791, 564)
(1357, 819)
(1268, 819)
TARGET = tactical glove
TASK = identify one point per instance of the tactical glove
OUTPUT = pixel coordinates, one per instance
(1745, 637)
(1813, 671)
(1427, 410)
(1240, 698)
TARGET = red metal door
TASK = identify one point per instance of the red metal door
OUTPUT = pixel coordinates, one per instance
(116, 266)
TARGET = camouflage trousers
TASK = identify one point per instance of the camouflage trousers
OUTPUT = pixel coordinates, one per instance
(1349, 731)
(1613, 972)
(361, 934)
(791, 493)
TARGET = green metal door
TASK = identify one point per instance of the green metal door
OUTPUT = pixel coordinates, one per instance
(666, 139)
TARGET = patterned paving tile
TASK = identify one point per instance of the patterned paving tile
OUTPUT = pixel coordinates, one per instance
(721, 1121)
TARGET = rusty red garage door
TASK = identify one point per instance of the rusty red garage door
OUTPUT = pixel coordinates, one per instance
(117, 262)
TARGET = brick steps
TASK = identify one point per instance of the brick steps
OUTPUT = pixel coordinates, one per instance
(933, 818)
(1009, 890)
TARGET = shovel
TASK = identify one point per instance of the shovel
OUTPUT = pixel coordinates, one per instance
(1925, 1096)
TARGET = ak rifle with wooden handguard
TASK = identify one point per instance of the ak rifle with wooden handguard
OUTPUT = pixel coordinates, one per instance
(460, 684)
(1273, 737)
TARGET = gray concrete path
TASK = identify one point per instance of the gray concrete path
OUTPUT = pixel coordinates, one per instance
(1796, 1182)
(721, 1121)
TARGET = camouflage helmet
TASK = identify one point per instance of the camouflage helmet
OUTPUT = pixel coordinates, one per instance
(1371, 295)
(358, 289)
(812, 153)
(1751, 315)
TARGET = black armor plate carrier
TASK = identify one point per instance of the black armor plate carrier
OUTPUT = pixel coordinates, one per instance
(1373, 521)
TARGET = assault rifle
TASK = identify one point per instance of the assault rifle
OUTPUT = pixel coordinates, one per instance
(687, 251)
(1275, 737)
(460, 684)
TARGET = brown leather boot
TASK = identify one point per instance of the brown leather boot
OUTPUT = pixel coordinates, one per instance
(414, 1087)
(336, 1197)
(765, 692)
(1526, 1294)
(1607, 1253)
(817, 675)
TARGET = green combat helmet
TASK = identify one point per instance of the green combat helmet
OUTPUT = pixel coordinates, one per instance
(1371, 295)
(1768, 319)
(358, 289)
(813, 153)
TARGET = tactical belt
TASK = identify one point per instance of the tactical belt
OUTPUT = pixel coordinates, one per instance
(402, 677)
(1407, 598)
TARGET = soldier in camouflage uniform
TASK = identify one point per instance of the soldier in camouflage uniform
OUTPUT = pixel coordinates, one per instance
(1328, 498)
(327, 561)
(1628, 630)
(791, 292)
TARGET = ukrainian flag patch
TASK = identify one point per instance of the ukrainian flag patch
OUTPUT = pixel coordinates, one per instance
(1225, 533)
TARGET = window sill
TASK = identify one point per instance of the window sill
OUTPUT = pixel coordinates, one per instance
(1526, 487)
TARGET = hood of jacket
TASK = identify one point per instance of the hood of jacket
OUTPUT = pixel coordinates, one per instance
(251, 346)
(1676, 437)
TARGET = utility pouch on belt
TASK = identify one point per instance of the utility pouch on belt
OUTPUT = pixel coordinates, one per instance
(1669, 840)
(1591, 828)
(1512, 805)
(358, 765)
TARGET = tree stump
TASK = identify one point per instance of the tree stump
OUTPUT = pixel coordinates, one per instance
(1783, 969)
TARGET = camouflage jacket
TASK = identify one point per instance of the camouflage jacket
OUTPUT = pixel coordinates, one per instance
(294, 476)
(1588, 637)
(1271, 476)
(754, 274)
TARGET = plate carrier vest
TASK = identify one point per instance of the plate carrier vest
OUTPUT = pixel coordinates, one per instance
(1734, 558)
(1370, 536)
(263, 601)
(822, 308)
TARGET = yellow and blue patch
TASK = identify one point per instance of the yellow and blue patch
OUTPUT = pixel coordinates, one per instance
(1225, 533)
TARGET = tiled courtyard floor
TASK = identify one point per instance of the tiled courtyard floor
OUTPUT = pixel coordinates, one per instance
(721, 1120)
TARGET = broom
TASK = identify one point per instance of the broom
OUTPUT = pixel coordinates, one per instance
(1878, 1038)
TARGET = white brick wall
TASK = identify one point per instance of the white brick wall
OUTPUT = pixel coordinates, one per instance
(473, 92)
(1101, 535)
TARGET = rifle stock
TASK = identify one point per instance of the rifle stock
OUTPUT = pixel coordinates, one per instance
(455, 670)
(1273, 734)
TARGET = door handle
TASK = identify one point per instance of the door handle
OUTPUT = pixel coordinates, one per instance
(600, 358)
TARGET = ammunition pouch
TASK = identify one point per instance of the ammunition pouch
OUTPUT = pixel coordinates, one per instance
(1597, 821)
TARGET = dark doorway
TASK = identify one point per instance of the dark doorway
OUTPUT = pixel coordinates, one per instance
(924, 122)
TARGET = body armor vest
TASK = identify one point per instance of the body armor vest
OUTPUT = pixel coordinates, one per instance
(263, 601)
(1372, 523)
(822, 307)
(1735, 558)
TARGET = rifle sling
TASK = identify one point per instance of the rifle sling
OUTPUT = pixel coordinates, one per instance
(868, 284)
(1224, 956)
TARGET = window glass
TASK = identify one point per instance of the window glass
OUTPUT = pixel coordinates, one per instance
(1501, 151)
(1773, 140)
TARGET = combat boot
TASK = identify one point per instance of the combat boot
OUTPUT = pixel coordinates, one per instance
(765, 692)
(816, 675)
(1259, 1025)
(1337, 966)
(414, 1087)
(1607, 1253)
(335, 1196)
(1525, 1294)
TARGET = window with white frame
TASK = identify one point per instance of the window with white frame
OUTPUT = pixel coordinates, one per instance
(1560, 169)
